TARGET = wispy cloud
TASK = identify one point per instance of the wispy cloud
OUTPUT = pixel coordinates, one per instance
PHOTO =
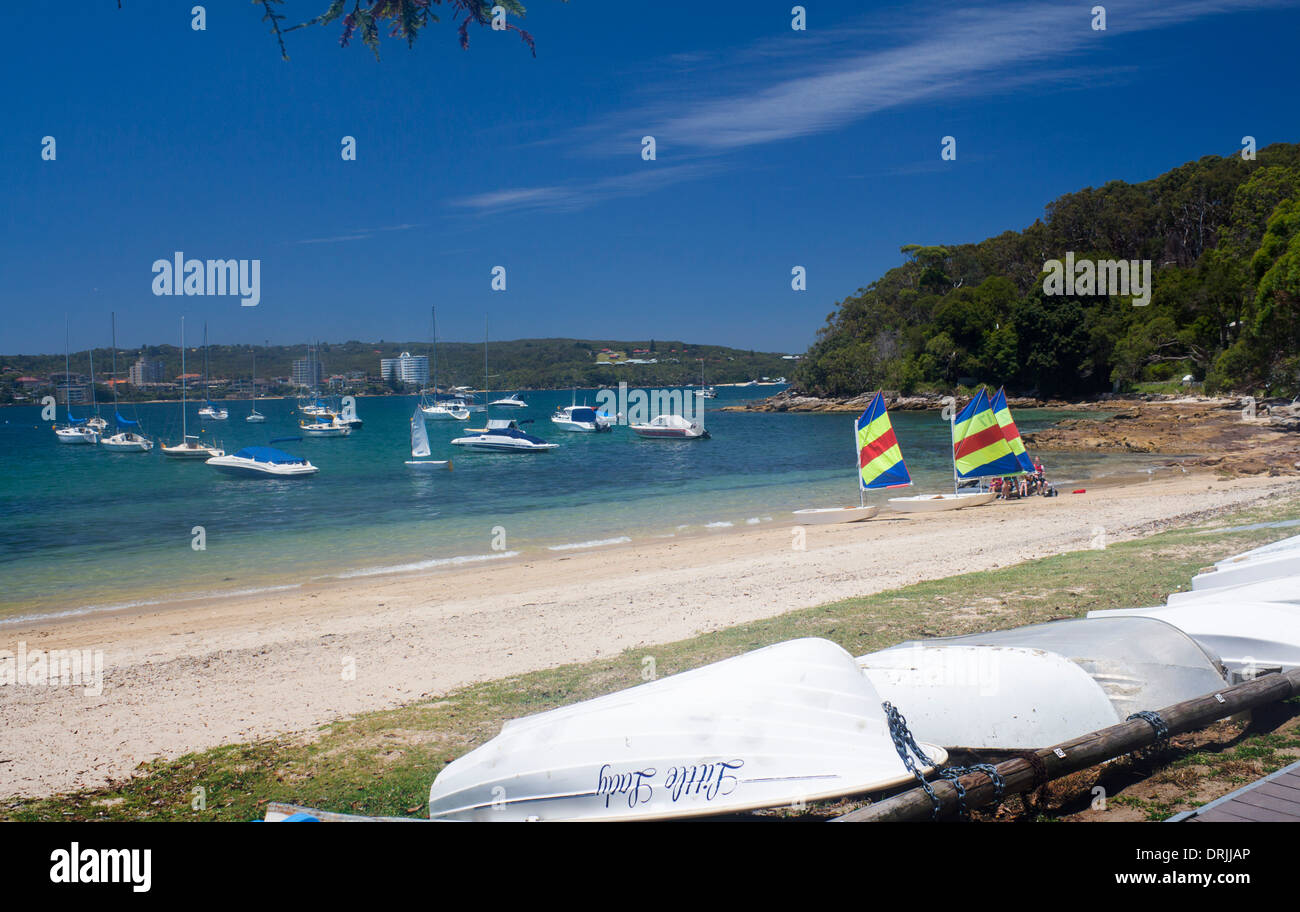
(805, 84)
(358, 234)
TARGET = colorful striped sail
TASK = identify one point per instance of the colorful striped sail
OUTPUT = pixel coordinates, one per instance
(880, 461)
(1010, 431)
(979, 448)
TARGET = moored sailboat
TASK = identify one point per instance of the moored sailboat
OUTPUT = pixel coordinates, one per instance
(189, 447)
(124, 441)
(420, 445)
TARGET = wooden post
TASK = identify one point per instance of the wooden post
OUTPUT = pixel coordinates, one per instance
(1081, 753)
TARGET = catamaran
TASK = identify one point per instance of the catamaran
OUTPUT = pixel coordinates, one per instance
(420, 451)
(209, 411)
(880, 466)
(189, 447)
(77, 431)
(979, 450)
(124, 441)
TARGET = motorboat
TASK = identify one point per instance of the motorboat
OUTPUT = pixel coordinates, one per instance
(212, 413)
(780, 726)
(446, 410)
(1247, 636)
(263, 461)
(581, 418)
(76, 435)
(502, 436)
(315, 408)
(511, 401)
(933, 503)
(420, 445)
(670, 426)
(326, 425)
(190, 446)
(879, 465)
(1032, 687)
(209, 411)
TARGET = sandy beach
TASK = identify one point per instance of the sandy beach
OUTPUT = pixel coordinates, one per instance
(197, 674)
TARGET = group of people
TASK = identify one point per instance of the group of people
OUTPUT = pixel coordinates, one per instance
(1023, 485)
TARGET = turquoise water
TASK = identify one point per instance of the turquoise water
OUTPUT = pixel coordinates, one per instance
(84, 527)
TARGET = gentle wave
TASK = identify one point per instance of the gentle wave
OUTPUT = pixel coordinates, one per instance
(145, 603)
(596, 543)
(421, 565)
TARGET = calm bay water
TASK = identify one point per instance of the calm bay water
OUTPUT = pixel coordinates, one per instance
(87, 528)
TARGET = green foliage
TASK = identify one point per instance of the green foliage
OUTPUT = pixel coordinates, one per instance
(1223, 236)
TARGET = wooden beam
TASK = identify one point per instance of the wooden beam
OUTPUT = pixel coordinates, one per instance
(1081, 753)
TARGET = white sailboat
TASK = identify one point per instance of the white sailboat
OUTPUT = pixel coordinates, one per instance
(77, 432)
(705, 392)
(97, 422)
(189, 447)
(326, 425)
(254, 416)
(420, 445)
(435, 408)
(209, 411)
(124, 441)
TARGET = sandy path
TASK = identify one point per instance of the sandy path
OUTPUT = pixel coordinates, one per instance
(184, 678)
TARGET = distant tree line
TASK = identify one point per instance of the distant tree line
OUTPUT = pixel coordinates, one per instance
(1223, 235)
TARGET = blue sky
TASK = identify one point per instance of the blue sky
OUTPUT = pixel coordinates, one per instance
(775, 148)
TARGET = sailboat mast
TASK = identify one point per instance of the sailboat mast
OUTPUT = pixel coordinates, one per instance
(184, 429)
(433, 314)
(952, 433)
(113, 378)
(93, 401)
(67, 369)
(487, 393)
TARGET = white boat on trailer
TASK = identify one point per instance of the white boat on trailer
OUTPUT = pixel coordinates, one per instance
(1032, 687)
(263, 462)
(788, 724)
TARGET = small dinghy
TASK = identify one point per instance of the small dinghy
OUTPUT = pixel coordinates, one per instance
(880, 466)
(420, 451)
(1282, 589)
(792, 723)
(1247, 636)
(1032, 687)
(1268, 566)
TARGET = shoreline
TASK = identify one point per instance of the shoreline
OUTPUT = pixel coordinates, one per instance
(185, 676)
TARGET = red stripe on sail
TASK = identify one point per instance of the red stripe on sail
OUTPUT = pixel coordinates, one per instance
(876, 447)
(979, 441)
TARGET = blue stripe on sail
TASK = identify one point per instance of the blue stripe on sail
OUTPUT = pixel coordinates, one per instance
(126, 421)
(72, 420)
(1003, 465)
(894, 477)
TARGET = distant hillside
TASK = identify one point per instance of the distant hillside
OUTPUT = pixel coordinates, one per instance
(515, 364)
(1223, 236)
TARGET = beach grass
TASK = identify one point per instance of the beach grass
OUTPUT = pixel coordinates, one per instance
(382, 763)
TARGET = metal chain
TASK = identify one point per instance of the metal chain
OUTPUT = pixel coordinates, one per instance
(905, 744)
(1161, 743)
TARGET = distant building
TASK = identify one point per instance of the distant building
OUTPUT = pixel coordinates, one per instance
(408, 368)
(308, 372)
(146, 370)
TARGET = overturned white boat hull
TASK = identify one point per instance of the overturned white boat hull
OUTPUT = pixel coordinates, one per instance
(819, 516)
(1282, 589)
(1247, 636)
(1274, 549)
(788, 724)
(1250, 570)
(933, 503)
(1033, 687)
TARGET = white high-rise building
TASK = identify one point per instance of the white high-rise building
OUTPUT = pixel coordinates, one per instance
(408, 368)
